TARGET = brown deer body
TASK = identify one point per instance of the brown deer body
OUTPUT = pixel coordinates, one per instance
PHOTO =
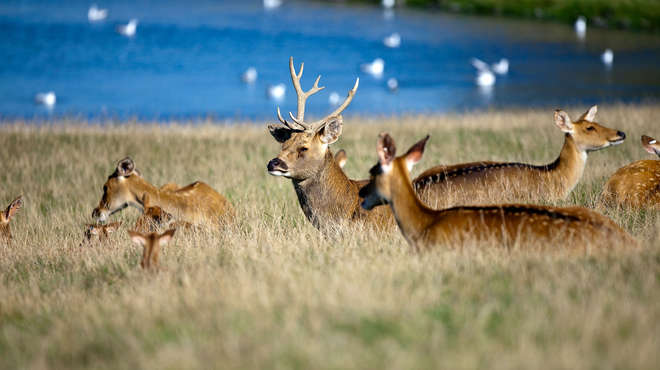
(326, 195)
(196, 203)
(636, 185)
(151, 244)
(526, 226)
(6, 217)
(474, 183)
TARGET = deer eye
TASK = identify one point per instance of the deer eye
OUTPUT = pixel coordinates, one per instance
(302, 149)
(590, 128)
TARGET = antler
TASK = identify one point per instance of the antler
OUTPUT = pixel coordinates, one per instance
(322, 122)
(302, 95)
(302, 99)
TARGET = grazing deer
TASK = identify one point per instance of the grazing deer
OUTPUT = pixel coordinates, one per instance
(154, 217)
(5, 218)
(324, 192)
(100, 231)
(196, 203)
(470, 183)
(151, 244)
(511, 224)
(636, 185)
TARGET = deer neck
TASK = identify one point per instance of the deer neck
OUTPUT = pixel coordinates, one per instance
(327, 194)
(140, 187)
(568, 168)
(412, 216)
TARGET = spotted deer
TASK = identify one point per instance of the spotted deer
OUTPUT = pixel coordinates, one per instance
(99, 232)
(636, 185)
(151, 244)
(154, 218)
(512, 225)
(196, 203)
(471, 183)
(326, 195)
(6, 217)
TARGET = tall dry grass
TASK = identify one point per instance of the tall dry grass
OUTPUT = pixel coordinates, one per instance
(271, 292)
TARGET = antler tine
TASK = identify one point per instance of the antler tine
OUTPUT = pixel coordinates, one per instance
(286, 123)
(302, 95)
(351, 93)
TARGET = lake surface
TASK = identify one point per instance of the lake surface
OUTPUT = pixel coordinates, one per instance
(187, 57)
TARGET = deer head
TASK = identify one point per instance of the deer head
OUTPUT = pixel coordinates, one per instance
(151, 243)
(117, 193)
(102, 232)
(304, 145)
(390, 173)
(152, 217)
(587, 134)
(651, 145)
(7, 215)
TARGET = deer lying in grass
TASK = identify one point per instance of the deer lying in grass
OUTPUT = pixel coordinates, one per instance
(507, 225)
(151, 244)
(326, 195)
(100, 231)
(196, 203)
(6, 217)
(154, 218)
(636, 185)
(470, 183)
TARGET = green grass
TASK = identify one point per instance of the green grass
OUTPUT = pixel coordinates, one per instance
(271, 292)
(626, 14)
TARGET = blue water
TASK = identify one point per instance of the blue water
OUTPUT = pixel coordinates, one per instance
(187, 57)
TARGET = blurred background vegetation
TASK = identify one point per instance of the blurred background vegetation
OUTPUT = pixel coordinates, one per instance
(641, 15)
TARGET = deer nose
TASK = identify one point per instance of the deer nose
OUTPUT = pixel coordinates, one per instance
(622, 134)
(277, 164)
(96, 213)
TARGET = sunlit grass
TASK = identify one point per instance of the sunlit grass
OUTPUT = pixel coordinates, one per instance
(271, 292)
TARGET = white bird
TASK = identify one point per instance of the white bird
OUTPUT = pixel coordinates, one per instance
(392, 84)
(485, 76)
(48, 99)
(129, 29)
(94, 14)
(388, 4)
(581, 27)
(607, 57)
(276, 92)
(501, 67)
(375, 68)
(393, 40)
(272, 4)
(334, 98)
(250, 75)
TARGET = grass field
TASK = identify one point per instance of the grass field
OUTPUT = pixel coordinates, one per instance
(271, 292)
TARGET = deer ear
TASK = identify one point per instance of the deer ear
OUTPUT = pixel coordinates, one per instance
(137, 237)
(590, 114)
(125, 167)
(93, 229)
(340, 158)
(415, 153)
(386, 149)
(563, 121)
(332, 130)
(166, 237)
(13, 208)
(648, 144)
(281, 133)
